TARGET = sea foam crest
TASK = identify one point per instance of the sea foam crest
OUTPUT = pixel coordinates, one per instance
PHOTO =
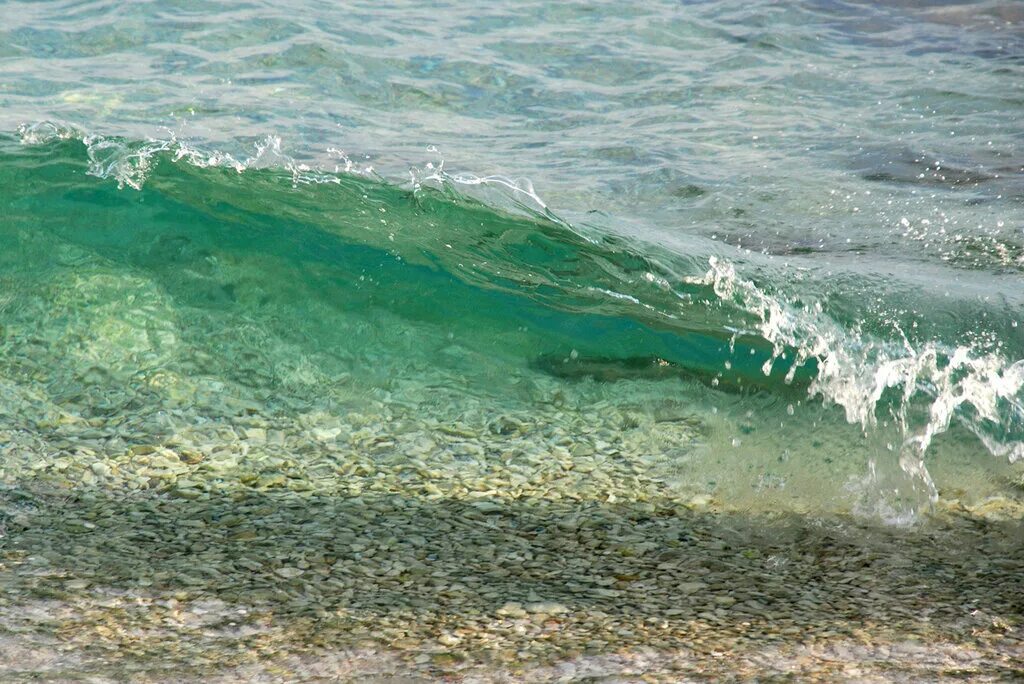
(515, 194)
(435, 172)
(129, 163)
(980, 390)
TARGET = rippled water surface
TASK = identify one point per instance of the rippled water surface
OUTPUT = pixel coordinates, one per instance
(486, 337)
(836, 188)
(821, 200)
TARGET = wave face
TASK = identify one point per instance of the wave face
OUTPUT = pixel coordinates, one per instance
(190, 271)
(795, 230)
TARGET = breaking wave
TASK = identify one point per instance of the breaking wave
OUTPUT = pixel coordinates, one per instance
(718, 314)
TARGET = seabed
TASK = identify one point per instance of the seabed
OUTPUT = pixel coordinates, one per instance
(321, 549)
(265, 484)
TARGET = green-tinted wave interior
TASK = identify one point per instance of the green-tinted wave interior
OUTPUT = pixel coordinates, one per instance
(513, 287)
(273, 286)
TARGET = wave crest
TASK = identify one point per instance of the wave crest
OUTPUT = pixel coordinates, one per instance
(861, 373)
(921, 386)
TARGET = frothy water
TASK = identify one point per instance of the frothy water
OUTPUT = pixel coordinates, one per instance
(858, 372)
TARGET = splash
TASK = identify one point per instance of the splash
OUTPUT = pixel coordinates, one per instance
(130, 163)
(519, 188)
(866, 376)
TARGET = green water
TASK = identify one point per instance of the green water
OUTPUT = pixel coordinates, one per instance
(807, 217)
(133, 315)
(392, 341)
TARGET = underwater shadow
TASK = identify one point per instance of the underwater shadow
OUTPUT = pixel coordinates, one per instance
(660, 574)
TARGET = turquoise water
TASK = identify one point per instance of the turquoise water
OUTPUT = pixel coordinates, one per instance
(777, 250)
(397, 341)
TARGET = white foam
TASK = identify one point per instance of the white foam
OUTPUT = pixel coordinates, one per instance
(982, 390)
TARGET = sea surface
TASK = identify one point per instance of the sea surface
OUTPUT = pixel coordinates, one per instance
(748, 257)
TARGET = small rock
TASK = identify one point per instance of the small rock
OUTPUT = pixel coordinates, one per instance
(546, 607)
(190, 457)
(258, 435)
(448, 640)
(512, 609)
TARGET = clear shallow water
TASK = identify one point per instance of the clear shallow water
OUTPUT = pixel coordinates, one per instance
(300, 376)
(834, 188)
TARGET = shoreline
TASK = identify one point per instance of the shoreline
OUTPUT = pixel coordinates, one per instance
(268, 585)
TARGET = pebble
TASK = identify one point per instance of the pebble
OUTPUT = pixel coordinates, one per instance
(512, 609)
(449, 640)
(216, 524)
(546, 607)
